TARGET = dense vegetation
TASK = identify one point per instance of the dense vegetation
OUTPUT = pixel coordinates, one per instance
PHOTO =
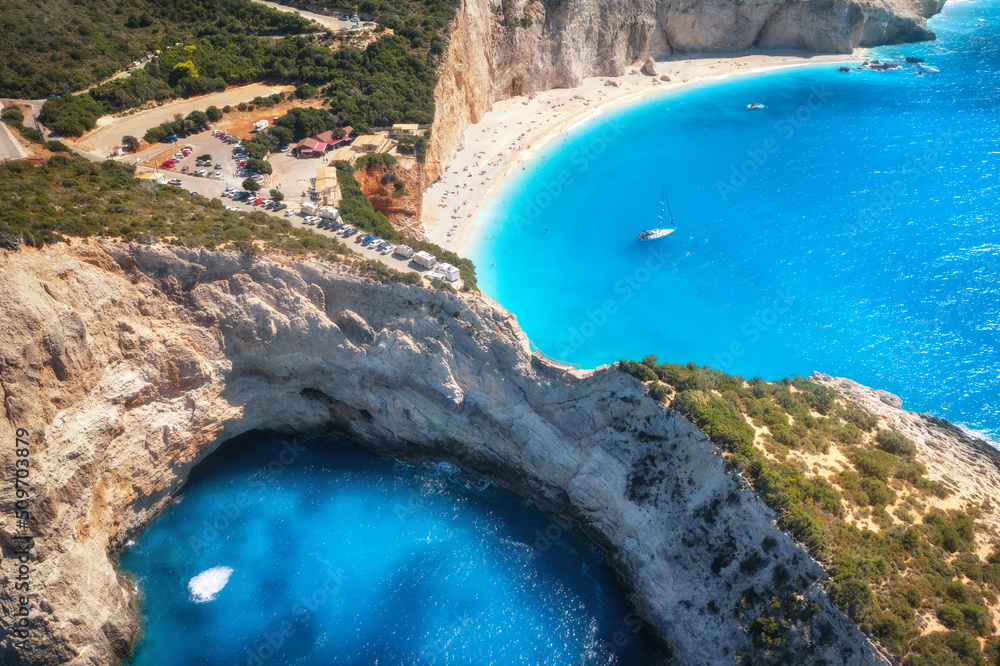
(356, 209)
(419, 21)
(50, 47)
(918, 561)
(75, 197)
(385, 83)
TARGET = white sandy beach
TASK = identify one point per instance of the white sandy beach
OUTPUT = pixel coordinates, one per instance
(519, 128)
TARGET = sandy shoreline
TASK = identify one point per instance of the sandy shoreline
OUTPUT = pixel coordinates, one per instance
(518, 128)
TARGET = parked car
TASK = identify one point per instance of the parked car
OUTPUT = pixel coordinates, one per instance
(174, 181)
(184, 169)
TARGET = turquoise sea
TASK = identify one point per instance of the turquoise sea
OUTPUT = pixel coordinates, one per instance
(850, 227)
(310, 551)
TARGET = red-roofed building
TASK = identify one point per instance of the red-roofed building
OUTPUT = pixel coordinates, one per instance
(319, 144)
(309, 148)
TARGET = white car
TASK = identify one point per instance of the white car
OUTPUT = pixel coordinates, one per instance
(218, 175)
(387, 248)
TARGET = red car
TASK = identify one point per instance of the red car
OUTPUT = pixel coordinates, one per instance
(258, 202)
(167, 165)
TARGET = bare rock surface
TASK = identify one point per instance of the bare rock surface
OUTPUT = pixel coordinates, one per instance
(128, 364)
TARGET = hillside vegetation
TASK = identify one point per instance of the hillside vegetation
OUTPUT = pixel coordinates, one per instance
(73, 197)
(421, 22)
(856, 496)
(52, 47)
(385, 83)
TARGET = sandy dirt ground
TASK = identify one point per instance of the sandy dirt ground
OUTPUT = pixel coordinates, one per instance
(520, 128)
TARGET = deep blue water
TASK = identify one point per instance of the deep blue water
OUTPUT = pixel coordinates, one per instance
(860, 239)
(330, 555)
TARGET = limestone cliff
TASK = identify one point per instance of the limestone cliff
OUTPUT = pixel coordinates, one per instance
(125, 365)
(502, 48)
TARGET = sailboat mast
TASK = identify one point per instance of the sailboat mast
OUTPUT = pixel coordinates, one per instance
(662, 192)
(663, 198)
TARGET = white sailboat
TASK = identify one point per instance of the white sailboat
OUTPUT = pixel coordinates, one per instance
(659, 232)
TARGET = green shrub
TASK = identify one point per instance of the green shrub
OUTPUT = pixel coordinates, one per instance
(306, 91)
(953, 531)
(879, 494)
(57, 147)
(31, 134)
(946, 648)
(12, 115)
(873, 463)
(892, 442)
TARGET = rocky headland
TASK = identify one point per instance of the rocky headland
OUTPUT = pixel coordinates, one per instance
(125, 365)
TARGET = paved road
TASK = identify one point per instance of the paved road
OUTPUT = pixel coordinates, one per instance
(10, 149)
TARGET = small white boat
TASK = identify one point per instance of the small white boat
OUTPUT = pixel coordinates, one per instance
(659, 232)
(755, 106)
(654, 234)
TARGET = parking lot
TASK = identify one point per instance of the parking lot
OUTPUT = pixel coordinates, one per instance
(201, 143)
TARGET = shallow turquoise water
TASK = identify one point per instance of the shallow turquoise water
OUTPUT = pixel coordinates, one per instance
(329, 555)
(850, 227)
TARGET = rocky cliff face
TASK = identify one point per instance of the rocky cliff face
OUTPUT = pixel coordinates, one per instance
(502, 48)
(125, 365)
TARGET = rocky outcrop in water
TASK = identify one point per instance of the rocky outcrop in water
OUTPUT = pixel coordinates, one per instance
(503, 48)
(125, 365)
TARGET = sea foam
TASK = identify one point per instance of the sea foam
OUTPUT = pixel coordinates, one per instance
(206, 585)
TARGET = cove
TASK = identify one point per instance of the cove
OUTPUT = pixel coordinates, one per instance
(849, 227)
(305, 551)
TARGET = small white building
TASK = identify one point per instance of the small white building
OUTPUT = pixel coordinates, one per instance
(425, 259)
(450, 273)
(404, 251)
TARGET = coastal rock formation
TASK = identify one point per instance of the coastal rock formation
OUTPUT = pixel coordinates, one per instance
(125, 365)
(968, 466)
(503, 48)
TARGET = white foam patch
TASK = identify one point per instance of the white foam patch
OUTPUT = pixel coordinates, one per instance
(206, 585)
